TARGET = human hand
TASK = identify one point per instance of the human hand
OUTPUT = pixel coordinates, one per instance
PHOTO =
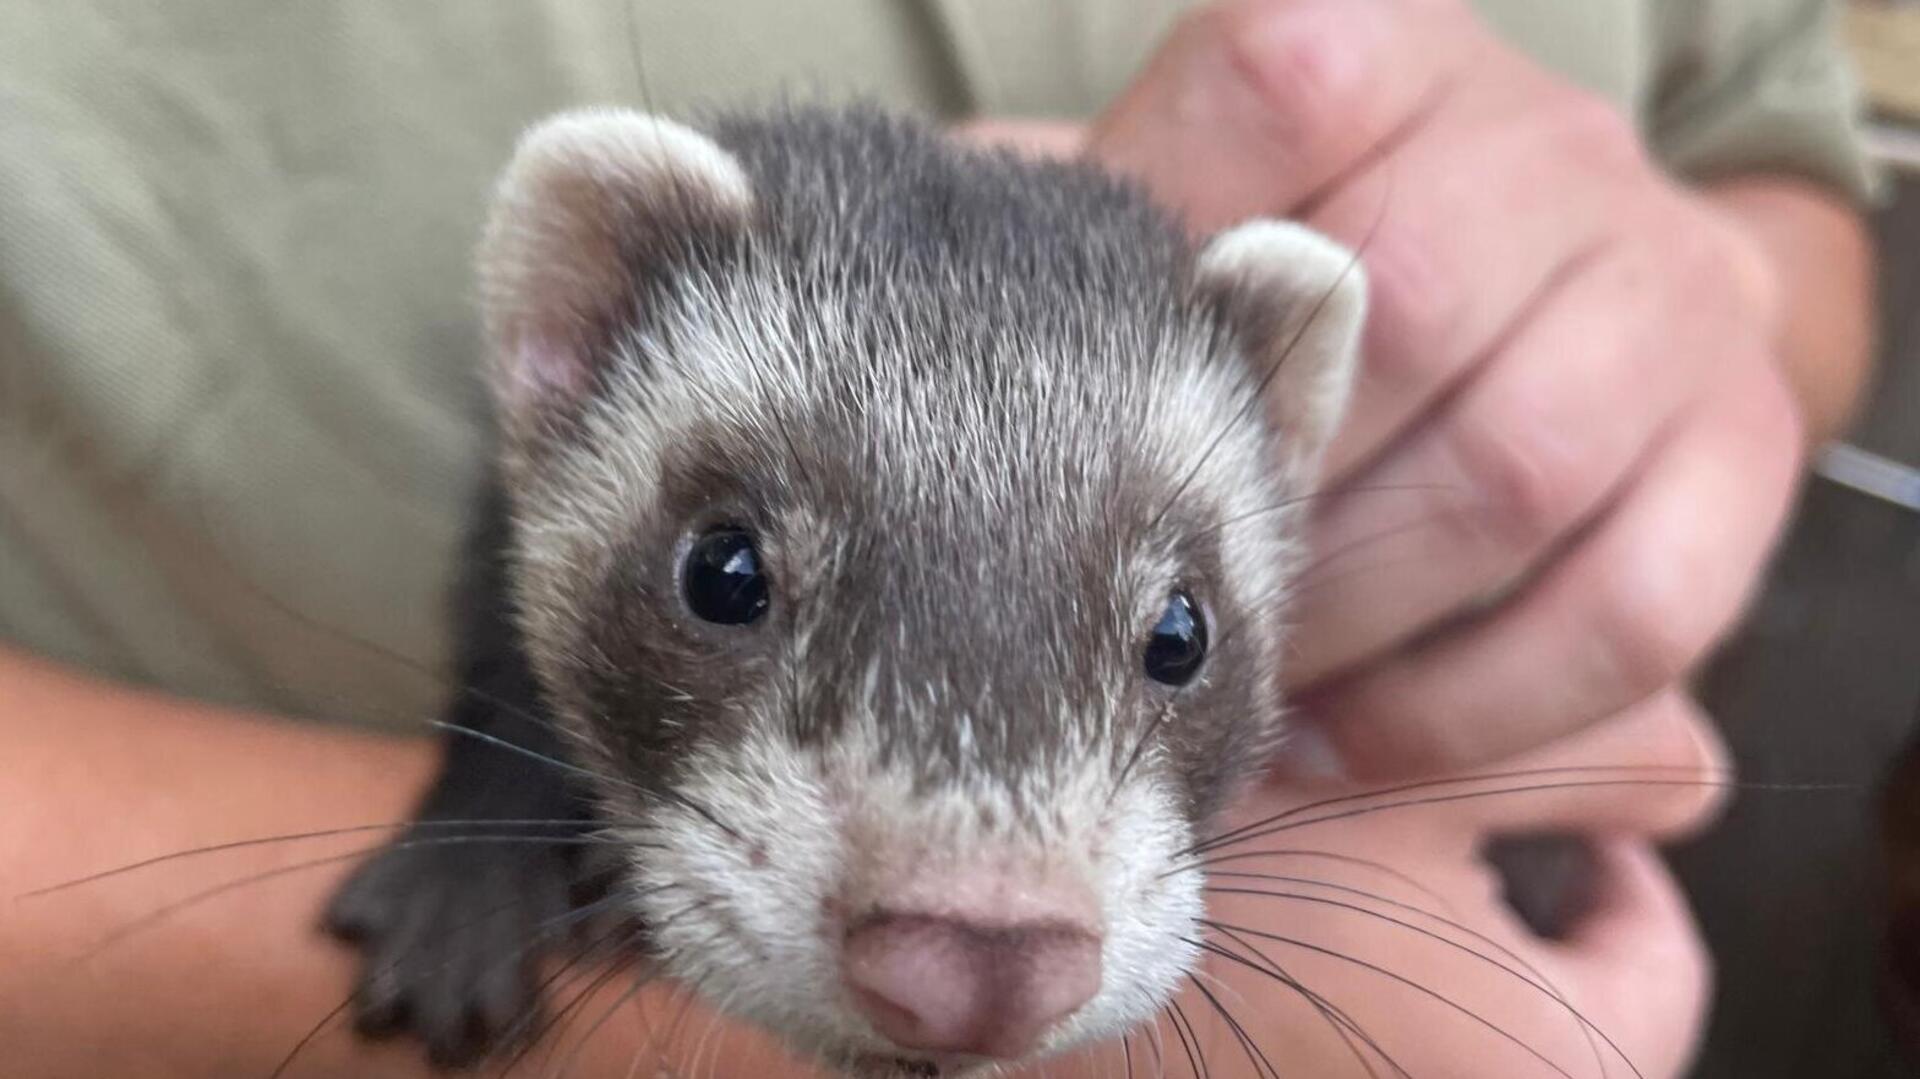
(1570, 448)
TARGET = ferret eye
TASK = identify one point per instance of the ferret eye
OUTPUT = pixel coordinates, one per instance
(1178, 644)
(722, 577)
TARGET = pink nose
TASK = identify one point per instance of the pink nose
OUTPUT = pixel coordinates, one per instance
(947, 986)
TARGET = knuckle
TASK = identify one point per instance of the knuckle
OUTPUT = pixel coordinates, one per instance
(1652, 623)
(1418, 311)
(1301, 62)
(1524, 498)
(1428, 304)
(1706, 294)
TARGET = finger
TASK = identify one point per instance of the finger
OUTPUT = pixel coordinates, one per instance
(1253, 105)
(1657, 769)
(1509, 185)
(1639, 961)
(1527, 452)
(1029, 138)
(1629, 609)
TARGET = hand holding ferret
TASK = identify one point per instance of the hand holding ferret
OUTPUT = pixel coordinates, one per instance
(1570, 448)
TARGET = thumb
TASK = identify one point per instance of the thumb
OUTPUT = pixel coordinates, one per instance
(1639, 962)
(1250, 107)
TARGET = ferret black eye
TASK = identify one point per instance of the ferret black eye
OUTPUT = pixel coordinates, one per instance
(722, 577)
(1178, 644)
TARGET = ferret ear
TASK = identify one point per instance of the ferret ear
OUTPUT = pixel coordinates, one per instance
(1297, 301)
(590, 202)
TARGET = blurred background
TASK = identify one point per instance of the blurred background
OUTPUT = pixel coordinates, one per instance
(1812, 900)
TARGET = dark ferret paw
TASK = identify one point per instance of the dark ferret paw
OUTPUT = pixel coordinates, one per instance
(452, 939)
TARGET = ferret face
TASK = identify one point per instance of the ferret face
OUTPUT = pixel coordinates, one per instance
(907, 530)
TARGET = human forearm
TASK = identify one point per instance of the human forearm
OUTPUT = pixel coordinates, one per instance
(1822, 258)
(96, 777)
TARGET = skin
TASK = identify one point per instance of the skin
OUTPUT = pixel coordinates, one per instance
(1566, 464)
(1523, 480)
(261, 974)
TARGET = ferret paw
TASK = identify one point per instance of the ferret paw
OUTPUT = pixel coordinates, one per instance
(452, 937)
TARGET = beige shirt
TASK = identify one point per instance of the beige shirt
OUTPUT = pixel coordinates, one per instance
(237, 344)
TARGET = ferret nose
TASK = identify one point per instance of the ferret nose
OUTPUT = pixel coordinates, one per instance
(945, 985)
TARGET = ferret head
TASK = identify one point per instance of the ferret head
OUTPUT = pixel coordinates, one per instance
(906, 529)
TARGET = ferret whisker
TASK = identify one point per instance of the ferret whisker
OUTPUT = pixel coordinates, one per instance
(1220, 985)
(702, 812)
(575, 970)
(1383, 869)
(633, 53)
(1402, 979)
(1156, 1041)
(160, 914)
(1256, 828)
(589, 983)
(555, 762)
(645, 1051)
(1139, 747)
(1311, 576)
(1387, 901)
(689, 992)
(668, 793)
(1466, 796)
(1531, 977)
(573, 1056)
(1087, 1053)
(291, 837)
(700, 1047)
(1261, 1065)
(326, 1021)
(713, 1026)
(459, 687)
(1126, 1051)
(611, 943)
(1174, 1018)
(313, 1034)
(1587, 1029)
(1315, 496)
(1337, 1019)
(1259, 396)
(606, 946)
(1199, 1045)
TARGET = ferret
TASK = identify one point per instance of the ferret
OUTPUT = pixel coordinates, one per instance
(893, 539)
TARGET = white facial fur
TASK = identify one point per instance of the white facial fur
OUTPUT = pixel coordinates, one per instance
(758, 930)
